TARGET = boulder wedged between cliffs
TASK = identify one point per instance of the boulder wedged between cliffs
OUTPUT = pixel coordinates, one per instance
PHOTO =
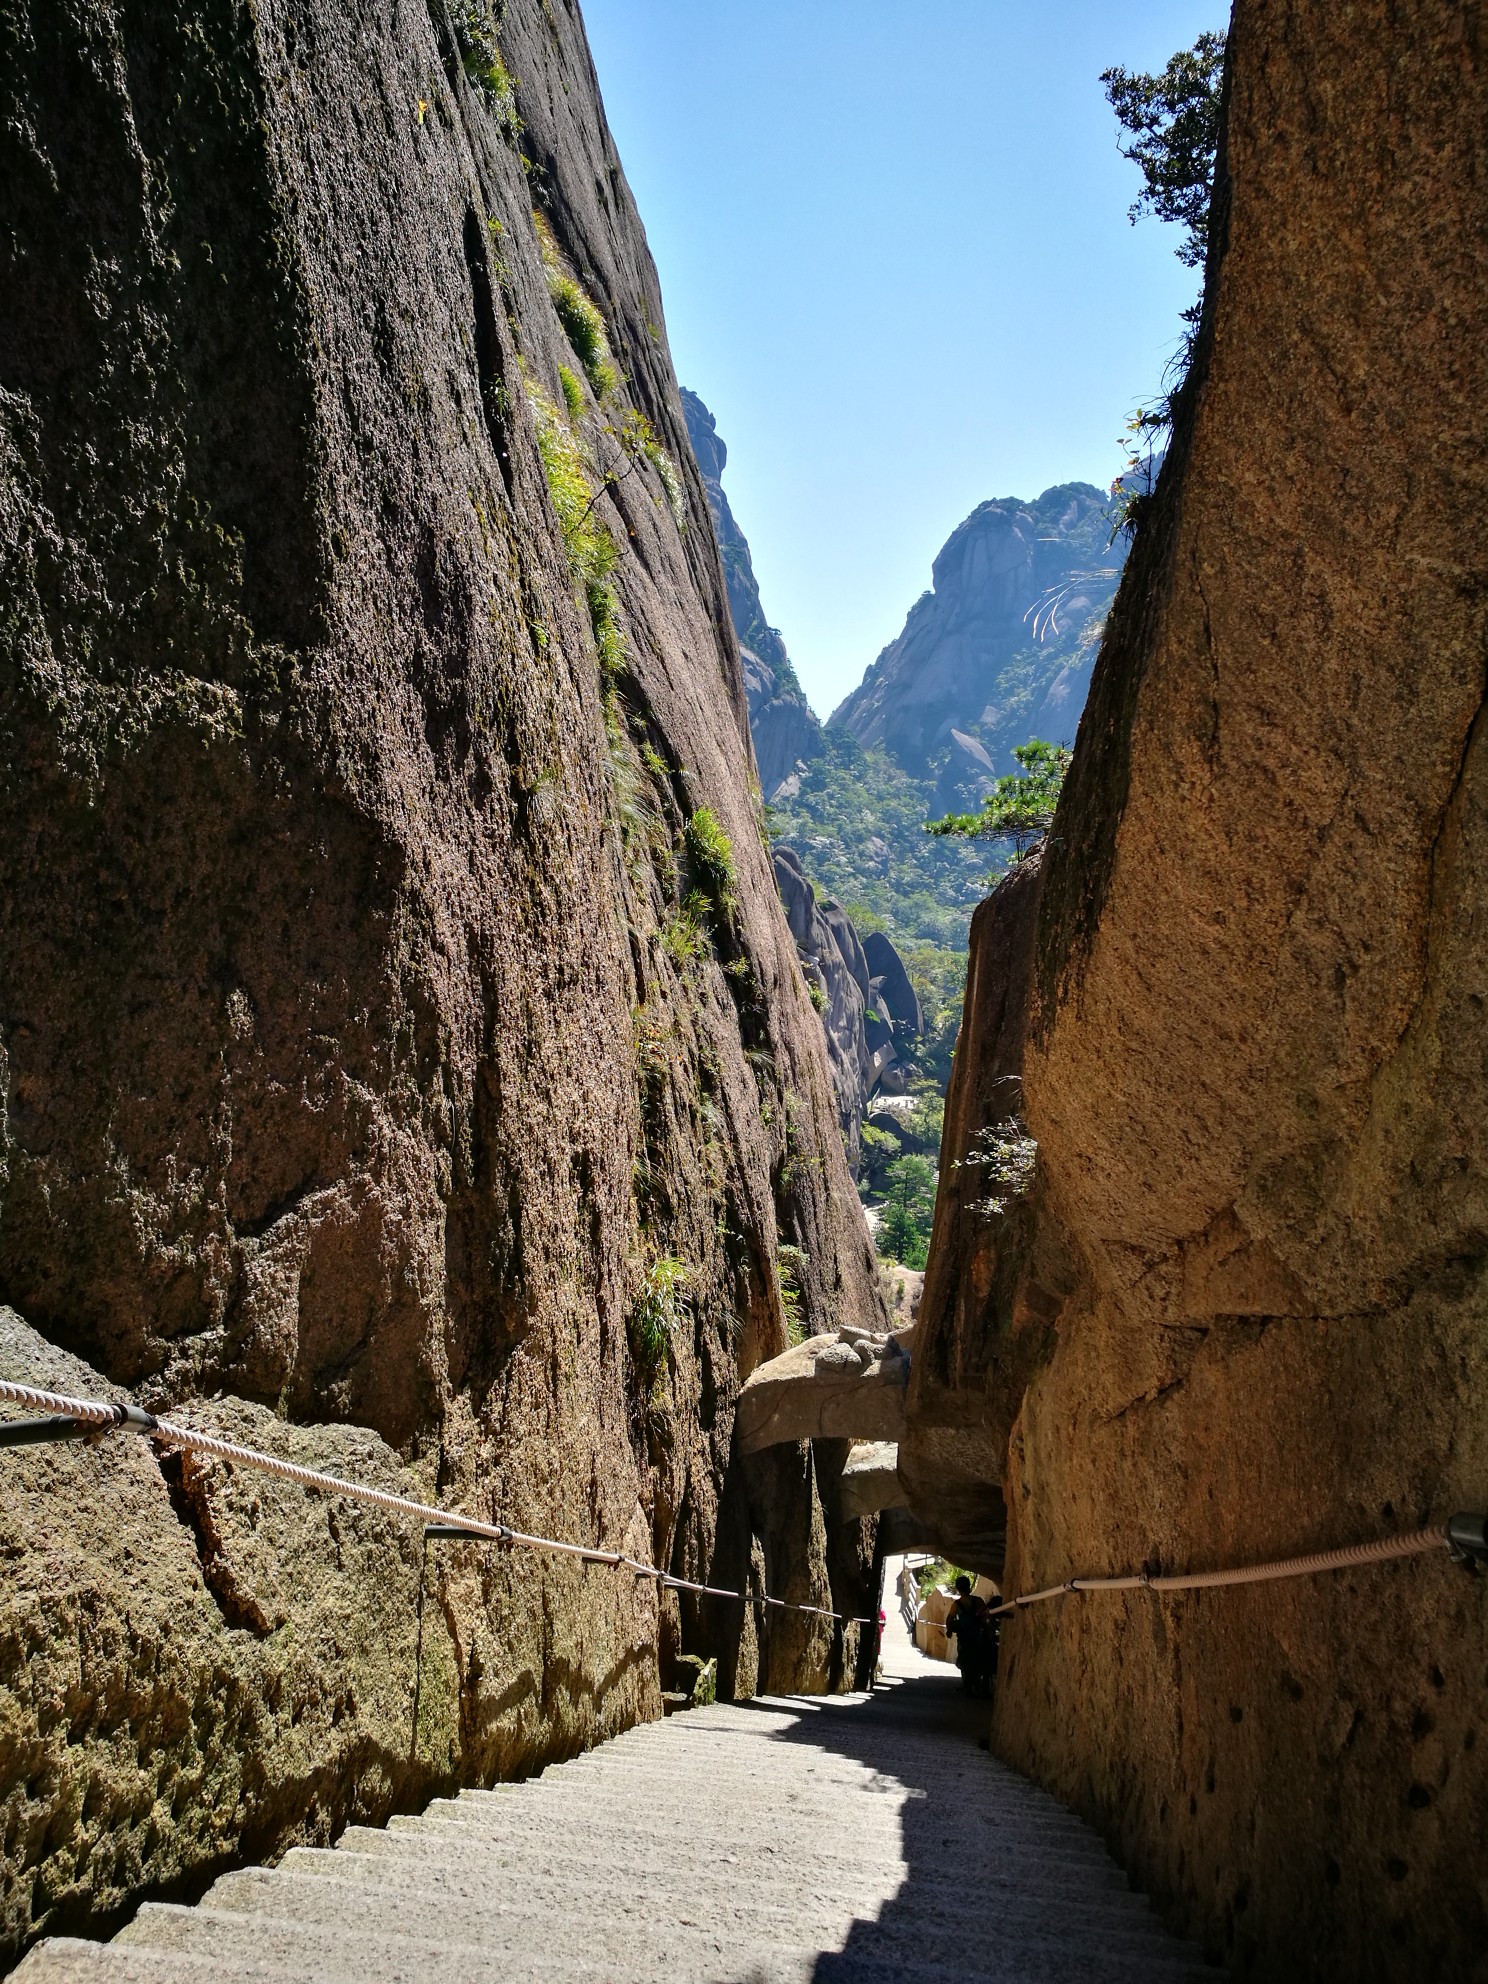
(844, 1385)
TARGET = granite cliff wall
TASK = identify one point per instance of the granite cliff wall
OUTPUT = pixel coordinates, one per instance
(1255, 1061)
(392, 980)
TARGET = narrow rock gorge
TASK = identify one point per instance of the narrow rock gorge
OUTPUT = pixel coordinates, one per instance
(404, 1061)
(1232, 1309)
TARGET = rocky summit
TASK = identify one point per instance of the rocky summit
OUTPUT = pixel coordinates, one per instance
(1001, 647)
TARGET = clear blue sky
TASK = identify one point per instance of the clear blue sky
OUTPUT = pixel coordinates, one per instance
(896, 262)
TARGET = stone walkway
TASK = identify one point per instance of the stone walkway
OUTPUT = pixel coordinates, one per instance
(852, 1841)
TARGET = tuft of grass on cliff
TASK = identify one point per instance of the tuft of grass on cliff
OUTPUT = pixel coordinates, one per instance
(581, 318)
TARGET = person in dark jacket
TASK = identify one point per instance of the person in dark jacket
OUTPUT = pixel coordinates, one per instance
(988, 1628)
(965, 1623)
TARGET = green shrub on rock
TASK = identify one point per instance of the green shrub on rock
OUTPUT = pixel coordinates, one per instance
(657, 1311)
(480, 57)
(579, 314)
(710, 853)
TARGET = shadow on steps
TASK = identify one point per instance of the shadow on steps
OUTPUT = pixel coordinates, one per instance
(1001, 1880)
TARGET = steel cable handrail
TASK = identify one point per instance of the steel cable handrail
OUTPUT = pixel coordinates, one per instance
(1415, 1543)
(105, 1417)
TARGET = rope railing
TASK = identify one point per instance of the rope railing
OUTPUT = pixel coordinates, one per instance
(1463, 1536)
(82, 1418)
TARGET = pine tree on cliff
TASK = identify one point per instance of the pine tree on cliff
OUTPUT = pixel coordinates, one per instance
(1020, 807)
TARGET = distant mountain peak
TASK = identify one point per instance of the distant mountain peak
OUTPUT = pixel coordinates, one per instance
(1000, 649)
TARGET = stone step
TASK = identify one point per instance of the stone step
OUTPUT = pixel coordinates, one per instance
(950, 1892)
(65, 1961)
(545, 1824)
(333, 1952)
(679, 1794)
(68, 1960)
(787, 1912)
(794, 1843)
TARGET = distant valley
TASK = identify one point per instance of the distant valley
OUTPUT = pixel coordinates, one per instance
(999, 650)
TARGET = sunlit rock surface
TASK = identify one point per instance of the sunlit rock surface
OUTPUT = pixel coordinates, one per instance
(847, 1385)
(1255, 1066)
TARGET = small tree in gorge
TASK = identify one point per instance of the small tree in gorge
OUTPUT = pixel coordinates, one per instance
(1170, 129)
(1020, 807)
(1171, 122)
(909, 1211)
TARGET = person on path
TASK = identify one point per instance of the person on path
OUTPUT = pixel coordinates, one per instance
(988, 1631)
(964, 1622)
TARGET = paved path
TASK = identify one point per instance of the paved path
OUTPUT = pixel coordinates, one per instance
(861, 1840)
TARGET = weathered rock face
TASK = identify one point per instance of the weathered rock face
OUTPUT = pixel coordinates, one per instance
(870, 1478)
(997, 1272)
(786, 731)
(1256, 1064)
(868, 1007)
(886, 969)
(833, 962)
(1001, 648)
(391, 971)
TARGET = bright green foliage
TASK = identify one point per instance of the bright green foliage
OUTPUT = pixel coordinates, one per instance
(791, 1264)
(853, 804)
(1172, 126)
(916, 1133)
(578, 313)
(604, 618)
(710, 853)
(683, 933)
(480, 56)
(877, 1150)
(926, 1120)
(939, 1571)
(573, 392)
(938, 976)
(638, 441)
(1021, 805)
(591, 549)
(657, 1311)
(909, 1211)
(816, 995)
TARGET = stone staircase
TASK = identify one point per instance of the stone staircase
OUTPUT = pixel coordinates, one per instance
(850, 1841)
